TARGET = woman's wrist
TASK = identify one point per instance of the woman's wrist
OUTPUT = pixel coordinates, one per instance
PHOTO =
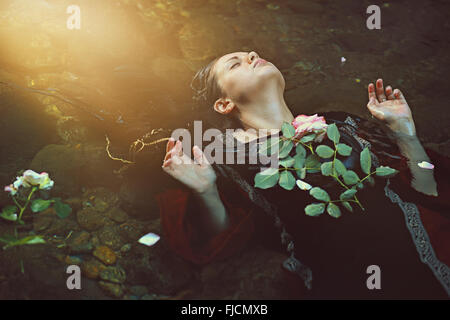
(404, 127)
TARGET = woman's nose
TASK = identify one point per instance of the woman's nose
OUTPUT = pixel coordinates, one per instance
(252, 56)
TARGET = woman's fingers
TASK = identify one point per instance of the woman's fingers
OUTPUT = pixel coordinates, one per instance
(199, 156)
(170, 144)
(389, 93)
(380, 91)
(399, 95)
(371, 91)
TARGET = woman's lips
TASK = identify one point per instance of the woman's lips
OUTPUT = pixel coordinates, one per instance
(260, 61)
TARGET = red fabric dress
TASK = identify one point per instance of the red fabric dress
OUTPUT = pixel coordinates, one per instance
(181, 234)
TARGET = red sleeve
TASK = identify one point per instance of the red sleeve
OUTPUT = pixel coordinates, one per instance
(434, 211)
(180, 232)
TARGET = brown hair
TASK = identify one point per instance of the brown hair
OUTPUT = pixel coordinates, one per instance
(207, 91)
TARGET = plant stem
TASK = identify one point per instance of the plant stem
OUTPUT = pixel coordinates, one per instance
(22, 210)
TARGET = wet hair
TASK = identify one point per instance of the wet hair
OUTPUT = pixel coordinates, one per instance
(206, 92)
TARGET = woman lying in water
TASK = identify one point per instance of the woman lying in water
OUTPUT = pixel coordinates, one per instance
(217, 211)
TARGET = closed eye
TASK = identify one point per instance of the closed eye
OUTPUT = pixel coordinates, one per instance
(234, 65)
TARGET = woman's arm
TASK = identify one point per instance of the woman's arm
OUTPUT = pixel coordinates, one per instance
(390, 106)
(422, 179)
(200, 178)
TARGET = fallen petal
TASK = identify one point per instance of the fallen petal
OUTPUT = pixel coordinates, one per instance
(425, 165)
(149, 239)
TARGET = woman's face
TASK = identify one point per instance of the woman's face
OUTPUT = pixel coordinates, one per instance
(244, 76)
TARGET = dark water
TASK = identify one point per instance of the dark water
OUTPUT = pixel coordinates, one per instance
(127, 71)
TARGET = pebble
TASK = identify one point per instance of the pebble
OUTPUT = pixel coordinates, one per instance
(90, 219)
(105, 255)
(111, 289)
(138, 290)
(79, 242)
(113, 274)
(117, 214)
(92, 268)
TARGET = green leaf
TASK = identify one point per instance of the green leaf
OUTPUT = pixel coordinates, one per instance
(301, 173)
(371, 181)
(308, 138)
(350, 177)
(314, 209)
(327, 168)
(340, 167)
(333, 210)
(287, 180)
(299, 162)
(270, 146)
(300, 151)
(382, 171)
(287, 162)
(333, 133)
(343, 149)
(348, 194)
(267, 178)
(39, 205)
(285, 148)
(360, 185)
(313, 163)
(324, 151)
(63, 210)
(288, 130)
(347, 206)
(319, 194)
(24, 241)
(365, 160)
(9, 213)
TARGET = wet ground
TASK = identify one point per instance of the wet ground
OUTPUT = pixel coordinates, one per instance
(126, 73)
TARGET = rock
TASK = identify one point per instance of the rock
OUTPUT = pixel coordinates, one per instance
(199, 41)
(125, 248)
(70, 260)
(79, 242)
(138, 290)
(132, 230)
(110, 236)
(113, 274)
(90, 219)
(92, 268)
(44, 219)
(98, 168)
(112, 289)
(117, 214)
(158, 269)
(63, 163)
(137, 198)
(100, 199)
(254, 274)
(105, 255)
(149, 297)
(71, 130)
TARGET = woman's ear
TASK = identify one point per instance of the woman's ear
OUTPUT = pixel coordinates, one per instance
(224, 106)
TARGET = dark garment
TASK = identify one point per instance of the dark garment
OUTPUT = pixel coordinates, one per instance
(338, 251)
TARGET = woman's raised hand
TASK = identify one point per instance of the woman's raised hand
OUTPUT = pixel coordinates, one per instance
(390, 106)
(196, 174)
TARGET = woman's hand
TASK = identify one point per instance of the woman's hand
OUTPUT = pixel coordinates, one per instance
(391, 108)
(196, 174)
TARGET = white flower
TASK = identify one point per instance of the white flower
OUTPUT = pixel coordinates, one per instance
(305, 125)
(31, 178)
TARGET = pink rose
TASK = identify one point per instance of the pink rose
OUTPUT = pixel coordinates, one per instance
(304, 125)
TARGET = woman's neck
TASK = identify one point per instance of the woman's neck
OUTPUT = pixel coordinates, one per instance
(270, 116)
